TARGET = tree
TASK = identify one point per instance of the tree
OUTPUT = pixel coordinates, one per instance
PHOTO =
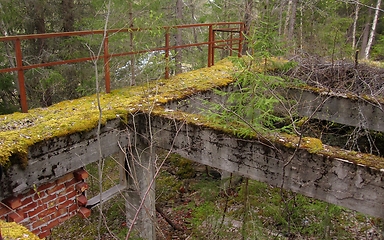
(373, 30)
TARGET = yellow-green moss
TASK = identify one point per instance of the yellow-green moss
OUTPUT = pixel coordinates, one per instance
(14, 231)
(314, 145)
(18, 131)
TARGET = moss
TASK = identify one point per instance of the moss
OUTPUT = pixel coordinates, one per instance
(21, 130)
(13, 231)
(183, 166)
(314, 145)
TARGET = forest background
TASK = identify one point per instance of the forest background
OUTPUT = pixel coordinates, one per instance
(330, 29)
(335, 29)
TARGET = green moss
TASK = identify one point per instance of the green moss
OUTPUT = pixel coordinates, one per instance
(13, 231)
(314, 145)
(21, 130)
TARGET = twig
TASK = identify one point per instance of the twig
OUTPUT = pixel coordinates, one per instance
(175, 226)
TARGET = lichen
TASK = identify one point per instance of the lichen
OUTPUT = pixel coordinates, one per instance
(14, 231)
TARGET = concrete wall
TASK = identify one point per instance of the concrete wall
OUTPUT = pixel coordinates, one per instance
(356, 111)
(333, 180)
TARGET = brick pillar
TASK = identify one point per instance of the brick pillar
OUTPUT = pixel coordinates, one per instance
(46, 206)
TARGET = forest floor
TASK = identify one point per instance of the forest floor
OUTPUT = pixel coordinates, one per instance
(193, 199)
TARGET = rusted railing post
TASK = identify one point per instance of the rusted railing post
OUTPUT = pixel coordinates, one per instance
(106, 66)
(166, 74)
(210, 46)
(20, 76)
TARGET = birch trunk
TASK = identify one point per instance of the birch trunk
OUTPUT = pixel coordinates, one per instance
(357, 8)
(373, 30)
(178, 37)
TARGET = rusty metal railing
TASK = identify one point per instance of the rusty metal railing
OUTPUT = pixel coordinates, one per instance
(232, 43)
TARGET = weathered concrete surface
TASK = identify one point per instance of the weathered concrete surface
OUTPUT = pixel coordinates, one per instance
(356, 111)
(54, 158)
(335, 181)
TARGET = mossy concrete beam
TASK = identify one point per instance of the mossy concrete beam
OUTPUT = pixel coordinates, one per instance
(58, 156)
(340, 108)
(332, 179)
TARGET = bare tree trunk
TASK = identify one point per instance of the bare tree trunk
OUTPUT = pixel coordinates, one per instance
(357, 8)
(373, 30)
(179, 55)
(247, 21)
(290, 20)
(68, 15)
(132, 57)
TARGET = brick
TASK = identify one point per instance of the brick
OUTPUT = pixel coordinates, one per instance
(26, 200)
(44, 234)
(81, 187)
(36, 231)
(81, 174)
(45, 186)
(36, 211)
(72, 195)
(65, 204)
(60, 212)
(15, 217)
(38, 196)
(73, 209)
(65, 178)
(47, 212)
(60, 200)
(12, 202)
(29, 207)
(50, 225)
(64, 218)
(84, 212)
(48, 198)
(82, 201)
(56, 188)
(3, 210)
(39, 222)
(70, 189)
(70, 183)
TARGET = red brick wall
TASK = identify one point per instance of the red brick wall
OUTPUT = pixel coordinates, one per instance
(48, 205)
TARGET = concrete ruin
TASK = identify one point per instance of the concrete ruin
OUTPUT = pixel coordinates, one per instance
(54, 166)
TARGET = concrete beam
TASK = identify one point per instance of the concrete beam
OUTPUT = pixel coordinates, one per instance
(54, 158)
(353, 111)
(336, 181)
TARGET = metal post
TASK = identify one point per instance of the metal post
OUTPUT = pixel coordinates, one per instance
(106, 66)
(210, 46)
(20, 76)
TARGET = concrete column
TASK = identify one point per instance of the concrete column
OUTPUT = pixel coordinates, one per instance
(140, 193)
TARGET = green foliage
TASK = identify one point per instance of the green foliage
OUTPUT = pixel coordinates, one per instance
(184, 168)
(253, 102)
(378, 48)
(8, 100)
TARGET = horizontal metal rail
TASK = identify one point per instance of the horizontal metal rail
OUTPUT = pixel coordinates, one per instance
(211, 43)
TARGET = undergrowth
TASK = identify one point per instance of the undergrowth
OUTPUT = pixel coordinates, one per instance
(206, 210)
